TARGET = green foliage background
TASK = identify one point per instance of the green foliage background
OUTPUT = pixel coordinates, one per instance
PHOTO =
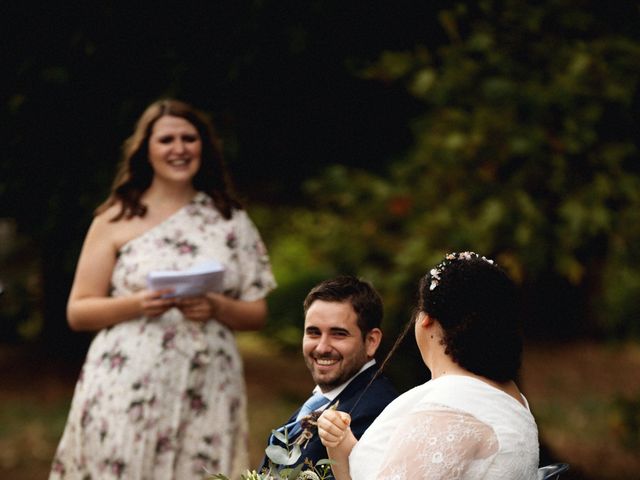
(525, 149)
(369, 138)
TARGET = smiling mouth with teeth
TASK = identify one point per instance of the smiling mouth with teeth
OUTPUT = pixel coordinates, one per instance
(179, 162)
(326, 362)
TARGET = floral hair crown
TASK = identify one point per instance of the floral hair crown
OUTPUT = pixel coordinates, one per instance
(436, 271)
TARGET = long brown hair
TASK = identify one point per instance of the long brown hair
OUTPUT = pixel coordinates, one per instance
(135, 172)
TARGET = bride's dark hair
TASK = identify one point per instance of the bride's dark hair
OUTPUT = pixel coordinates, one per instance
(475, 303)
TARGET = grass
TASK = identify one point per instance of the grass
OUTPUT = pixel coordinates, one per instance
(29, 432)
(585, 396)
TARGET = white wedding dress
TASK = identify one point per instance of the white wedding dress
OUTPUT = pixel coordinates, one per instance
(453, 427)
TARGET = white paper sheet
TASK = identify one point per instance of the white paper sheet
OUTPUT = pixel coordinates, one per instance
(202, 278)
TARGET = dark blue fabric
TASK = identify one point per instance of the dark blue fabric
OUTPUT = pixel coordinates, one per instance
(379, 394)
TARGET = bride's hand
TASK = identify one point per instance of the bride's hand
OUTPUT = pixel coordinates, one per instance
(335, 434)
(333, 427)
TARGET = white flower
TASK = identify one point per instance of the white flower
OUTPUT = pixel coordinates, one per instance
(253, 475)
(308, 475)
(440, 268)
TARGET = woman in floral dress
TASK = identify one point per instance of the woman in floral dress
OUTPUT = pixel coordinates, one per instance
(161, 394)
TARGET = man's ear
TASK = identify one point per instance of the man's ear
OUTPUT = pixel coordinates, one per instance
(372, 341)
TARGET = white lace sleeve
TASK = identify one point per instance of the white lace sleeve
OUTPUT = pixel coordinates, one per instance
(439, 443)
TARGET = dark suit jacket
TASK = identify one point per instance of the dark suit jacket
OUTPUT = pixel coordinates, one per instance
(363, 410)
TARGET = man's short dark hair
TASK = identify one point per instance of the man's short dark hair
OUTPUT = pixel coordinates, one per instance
(364, 299)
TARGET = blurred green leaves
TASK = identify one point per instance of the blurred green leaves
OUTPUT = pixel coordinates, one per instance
(524, 151)
(524, 123)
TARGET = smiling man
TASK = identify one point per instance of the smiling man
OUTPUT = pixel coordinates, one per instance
(341, 336)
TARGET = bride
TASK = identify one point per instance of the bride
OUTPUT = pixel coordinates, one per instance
(470, 421)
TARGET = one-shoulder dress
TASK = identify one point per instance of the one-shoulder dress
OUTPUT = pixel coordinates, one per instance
(164, 398)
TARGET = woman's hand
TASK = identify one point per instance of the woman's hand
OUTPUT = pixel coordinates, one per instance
(200, 308)
(235, 314)
(335, 434)
(152, 303)
(333, 427)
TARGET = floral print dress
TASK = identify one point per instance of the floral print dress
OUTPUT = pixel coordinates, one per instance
(164, 398)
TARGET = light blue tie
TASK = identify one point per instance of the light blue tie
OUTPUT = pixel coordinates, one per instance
(313, 403)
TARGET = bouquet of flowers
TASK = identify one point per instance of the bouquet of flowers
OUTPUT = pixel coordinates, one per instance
(281, 458)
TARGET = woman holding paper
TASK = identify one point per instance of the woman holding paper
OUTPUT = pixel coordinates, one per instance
(161, 394)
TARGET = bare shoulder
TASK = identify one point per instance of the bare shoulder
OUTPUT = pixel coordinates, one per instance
(101, 229)
(123, 230)
(113, 233)
(102, 223)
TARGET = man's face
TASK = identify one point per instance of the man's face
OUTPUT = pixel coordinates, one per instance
(333, 347)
